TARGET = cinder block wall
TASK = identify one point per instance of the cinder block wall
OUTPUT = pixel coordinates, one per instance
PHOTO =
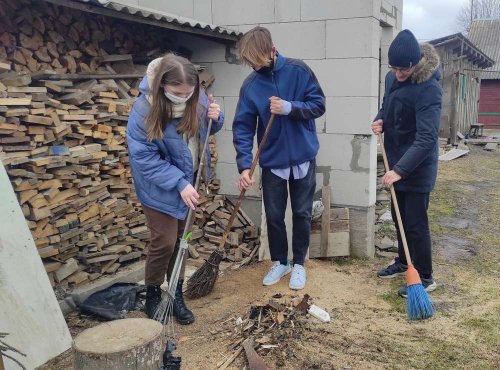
(345, 42)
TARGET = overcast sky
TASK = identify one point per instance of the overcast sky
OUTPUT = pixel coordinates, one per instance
(431, 19)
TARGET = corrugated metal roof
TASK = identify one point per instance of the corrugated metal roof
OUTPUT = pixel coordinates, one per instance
(151, 16)
(462, 45)
(485, 33)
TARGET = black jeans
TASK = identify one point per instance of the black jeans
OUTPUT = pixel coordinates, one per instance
(413, 208)
(275, 192)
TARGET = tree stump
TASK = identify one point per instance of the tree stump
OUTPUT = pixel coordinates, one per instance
(122, 344)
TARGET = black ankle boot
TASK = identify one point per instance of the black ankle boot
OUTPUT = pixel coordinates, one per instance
(153, 299)
(181, 313)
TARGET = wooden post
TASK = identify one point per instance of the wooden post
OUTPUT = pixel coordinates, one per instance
(325, 220)
(135, 343)
(1, 363)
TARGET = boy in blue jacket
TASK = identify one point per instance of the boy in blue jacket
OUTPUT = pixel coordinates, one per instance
(288, 89)
(410, 118)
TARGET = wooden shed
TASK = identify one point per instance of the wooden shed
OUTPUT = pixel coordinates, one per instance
(462, 64)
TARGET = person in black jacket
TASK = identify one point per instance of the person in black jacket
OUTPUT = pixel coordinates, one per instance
(410, 118)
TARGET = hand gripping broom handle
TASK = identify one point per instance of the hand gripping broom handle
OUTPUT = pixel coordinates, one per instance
(189, 220)
(242, 193)
(395, 204)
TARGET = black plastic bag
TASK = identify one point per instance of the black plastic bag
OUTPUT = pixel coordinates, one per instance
(113, 302)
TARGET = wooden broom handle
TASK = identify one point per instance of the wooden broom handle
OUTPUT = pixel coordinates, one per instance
(395, 203)
(242, 193)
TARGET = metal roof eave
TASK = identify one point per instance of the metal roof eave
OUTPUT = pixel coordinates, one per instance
(472, 52)
(158, 19)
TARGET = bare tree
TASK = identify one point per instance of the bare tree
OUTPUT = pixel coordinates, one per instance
(477, 9)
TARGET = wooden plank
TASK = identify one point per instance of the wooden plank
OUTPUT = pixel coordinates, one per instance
(325, 220)
(15, 101)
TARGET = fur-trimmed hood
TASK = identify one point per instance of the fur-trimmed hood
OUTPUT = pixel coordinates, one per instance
(427, 66)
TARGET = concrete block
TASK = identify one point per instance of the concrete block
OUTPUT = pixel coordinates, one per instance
(363, 40)
(351, 188)
(362, 231)
(287, 10)
(347, 77)
(230, 104)
(228, 78)
(204, 50)
(225, 147)
(390, 13)
(183, 8)
(345, 152)
(228, 173)
(350, 115)
(238, 12)
(304, 40)
(335, 9)
(203, 11)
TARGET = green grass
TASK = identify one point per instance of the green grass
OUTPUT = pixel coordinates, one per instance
(486, 328)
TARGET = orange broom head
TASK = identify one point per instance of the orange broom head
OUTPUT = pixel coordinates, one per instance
(412, 276)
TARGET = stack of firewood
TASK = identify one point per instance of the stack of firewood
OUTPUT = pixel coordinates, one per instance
(211, 219)
(67, 83)
(63, 143)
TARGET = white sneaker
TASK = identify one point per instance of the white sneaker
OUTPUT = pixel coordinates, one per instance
(298, 278)
(276, 273)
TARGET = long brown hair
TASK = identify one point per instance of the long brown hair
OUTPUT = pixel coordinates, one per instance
(172, 70)
(255, 46)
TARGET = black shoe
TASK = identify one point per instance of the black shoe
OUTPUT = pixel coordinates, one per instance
(393, 270)
(182, 314)
(153, 299)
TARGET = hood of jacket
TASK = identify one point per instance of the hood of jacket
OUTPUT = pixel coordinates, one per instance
(428, 65)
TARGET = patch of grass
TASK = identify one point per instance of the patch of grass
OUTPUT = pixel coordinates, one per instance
(486, 328)
(397, 303)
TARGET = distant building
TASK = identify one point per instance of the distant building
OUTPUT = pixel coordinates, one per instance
(462, 64)
(485, 33)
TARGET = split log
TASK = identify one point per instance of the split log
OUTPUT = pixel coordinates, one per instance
(126, 344)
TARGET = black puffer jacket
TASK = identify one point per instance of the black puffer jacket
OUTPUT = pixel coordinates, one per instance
(411, 112)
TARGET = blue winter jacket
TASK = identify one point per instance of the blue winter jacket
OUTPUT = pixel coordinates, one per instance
(161, 169)
(411, 112)
(292, 139)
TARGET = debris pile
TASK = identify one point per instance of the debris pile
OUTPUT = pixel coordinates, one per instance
(267, 325)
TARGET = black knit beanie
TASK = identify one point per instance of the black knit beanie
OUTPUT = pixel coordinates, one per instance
(404, 50)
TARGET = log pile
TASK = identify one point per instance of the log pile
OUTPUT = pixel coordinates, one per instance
(63, 143)
(39, 36)
(67, 82)
(211, 219)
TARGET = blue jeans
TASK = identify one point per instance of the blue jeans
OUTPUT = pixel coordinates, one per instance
(275, 192)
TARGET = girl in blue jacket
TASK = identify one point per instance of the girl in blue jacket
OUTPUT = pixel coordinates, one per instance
(165, 128)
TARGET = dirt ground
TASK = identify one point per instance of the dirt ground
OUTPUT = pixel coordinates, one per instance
(369, 329)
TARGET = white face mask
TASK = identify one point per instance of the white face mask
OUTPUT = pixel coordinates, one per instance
(177, 99)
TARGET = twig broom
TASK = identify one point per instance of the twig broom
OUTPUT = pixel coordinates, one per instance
(203, 280)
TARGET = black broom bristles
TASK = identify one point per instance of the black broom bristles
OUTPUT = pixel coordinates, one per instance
(203, 280)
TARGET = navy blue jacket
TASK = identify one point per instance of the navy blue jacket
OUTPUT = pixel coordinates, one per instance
(292, 139)
(411, 112)
(162, 168)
